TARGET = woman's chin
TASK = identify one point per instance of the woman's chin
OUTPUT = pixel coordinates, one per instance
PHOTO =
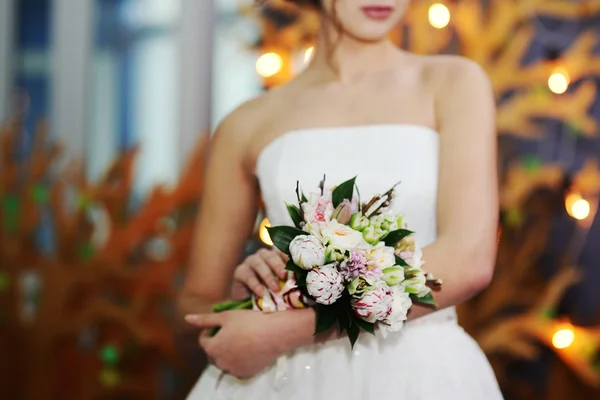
(371, 34)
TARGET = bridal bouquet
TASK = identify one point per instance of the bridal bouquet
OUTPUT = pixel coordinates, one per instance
(354, 262)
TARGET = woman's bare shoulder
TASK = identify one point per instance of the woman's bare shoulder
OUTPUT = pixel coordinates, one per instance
(247, 120)
(447, 71)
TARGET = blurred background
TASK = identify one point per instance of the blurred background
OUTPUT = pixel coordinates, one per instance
(107, 108)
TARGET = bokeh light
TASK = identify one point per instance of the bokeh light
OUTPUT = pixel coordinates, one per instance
(263, 233)
(269, 64)
(439, 16)
(559, 80)
(308, 54)
(563, 338)
(580, 209)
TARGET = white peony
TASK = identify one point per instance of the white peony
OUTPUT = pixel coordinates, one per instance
(374, 305)
(325, 284)
(342, 237)
(382, 256)
(401, 303)
(307, 252)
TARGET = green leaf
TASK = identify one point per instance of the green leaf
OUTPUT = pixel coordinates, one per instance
(303, 198)
(299, 272)
(353, 333)
(344, 321)
(233, 305)
(365, 326)
(394, 237)
(283, 235)
(426, 300)
(400, 262)
(294, 212)
(343, 191)
(327, 316)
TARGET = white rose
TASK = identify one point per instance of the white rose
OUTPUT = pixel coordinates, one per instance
(342, 237)
(374, 305)
(325, 284)
(307, 252)
(383, 256)
(401, 303)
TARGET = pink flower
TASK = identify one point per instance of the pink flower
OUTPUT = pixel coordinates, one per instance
(406, 249)
(375, 305)
(325, 284)
(358, 266)
(318, 209)
(343, 213)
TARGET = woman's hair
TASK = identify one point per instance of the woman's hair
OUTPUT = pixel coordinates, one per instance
(302, 3)
(313, 3)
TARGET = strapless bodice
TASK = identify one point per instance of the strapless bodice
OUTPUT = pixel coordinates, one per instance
(379, 155)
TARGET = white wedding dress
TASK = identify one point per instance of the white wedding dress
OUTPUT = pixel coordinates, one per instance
(432, 358)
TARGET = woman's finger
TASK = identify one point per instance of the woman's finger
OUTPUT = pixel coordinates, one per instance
(245, 274)
(277, 265)
(204, 321)
(264, 271)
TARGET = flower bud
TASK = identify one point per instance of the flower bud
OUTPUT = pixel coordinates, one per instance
(359, 222)
(358, 286)
(393, 275)
(343, 212)
(373, 235)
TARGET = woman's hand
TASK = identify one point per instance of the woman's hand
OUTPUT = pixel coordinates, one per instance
(245, 344)
(263, 268)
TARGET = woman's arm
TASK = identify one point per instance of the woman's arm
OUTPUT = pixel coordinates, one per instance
(463, 256)
(226, 219)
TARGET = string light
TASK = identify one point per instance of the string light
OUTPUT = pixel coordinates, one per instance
(580, 209)
(269, 64)
(559, 80)
(263, 233)
(570, 199)
(308, 54)
(576, 206)
(563, 338)
(439, 16)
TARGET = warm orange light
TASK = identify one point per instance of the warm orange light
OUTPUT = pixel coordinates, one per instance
(263, 233)
(559, 80)
(269, 64)
(308, 54)
(577, 207)
(580, 209)
(563, 338)
(439, 16)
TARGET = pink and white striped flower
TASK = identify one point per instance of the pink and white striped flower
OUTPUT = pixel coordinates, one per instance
(375, 305)
(325, 284)
(307, 252)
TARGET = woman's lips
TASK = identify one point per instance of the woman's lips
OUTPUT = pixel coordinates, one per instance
(378, 12)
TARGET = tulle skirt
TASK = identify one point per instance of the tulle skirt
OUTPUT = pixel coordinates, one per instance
(432, 358)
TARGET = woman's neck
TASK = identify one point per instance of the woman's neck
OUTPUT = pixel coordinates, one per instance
(346, 59)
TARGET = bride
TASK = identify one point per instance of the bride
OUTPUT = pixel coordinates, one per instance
(362, 107)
